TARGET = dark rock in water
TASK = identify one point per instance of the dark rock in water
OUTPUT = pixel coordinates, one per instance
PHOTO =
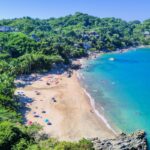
(134, 141)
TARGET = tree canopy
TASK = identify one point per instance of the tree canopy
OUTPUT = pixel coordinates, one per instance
(31, 45)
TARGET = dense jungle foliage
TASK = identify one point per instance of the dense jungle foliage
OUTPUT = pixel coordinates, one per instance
(32, 45)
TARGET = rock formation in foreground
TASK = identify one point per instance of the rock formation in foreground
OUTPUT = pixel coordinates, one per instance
(134, 141)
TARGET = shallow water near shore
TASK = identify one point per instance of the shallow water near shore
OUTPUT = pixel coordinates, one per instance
(120, 85)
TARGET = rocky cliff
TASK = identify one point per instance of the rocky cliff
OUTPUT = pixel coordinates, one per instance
(134, 141)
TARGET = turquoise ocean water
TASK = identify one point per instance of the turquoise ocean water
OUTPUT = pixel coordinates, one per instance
(121, 88)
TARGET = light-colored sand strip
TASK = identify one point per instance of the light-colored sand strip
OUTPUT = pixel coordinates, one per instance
(71, 115)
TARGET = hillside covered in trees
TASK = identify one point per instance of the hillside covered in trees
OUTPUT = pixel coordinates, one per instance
(33, 45)
(38, 43)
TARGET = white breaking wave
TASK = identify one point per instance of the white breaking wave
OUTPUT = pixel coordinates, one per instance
(80, 76)
(92, 101)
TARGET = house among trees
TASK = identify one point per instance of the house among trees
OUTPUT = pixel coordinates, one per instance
(1, 49)
(93, 33)
(5, 29)
(76, 45)
(33, 36)
(86, 46)
(147, 34)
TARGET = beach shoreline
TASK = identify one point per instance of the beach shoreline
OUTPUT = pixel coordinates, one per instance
(72, 117)
(83, 63)
(60, 127)
(96, 111)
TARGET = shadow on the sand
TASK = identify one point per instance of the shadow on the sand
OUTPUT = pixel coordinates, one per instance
(25, 80)
(24, 109)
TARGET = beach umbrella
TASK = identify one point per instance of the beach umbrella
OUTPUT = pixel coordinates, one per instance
(46, 120)
(30, 122)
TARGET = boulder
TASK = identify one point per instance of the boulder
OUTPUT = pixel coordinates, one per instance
(134, 141)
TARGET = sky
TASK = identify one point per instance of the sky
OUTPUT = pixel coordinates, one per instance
(125, 9)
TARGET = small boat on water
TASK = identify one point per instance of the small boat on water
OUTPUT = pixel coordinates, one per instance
(111, 59)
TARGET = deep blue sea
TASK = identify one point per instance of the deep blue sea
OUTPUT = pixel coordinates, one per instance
(121, 88)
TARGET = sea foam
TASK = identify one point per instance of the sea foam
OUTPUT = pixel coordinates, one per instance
(92, 101)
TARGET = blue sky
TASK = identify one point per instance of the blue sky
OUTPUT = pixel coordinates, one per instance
(125, 9)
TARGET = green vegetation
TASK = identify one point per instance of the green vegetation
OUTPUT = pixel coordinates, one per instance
(28, 41)
(18, 137)
(32, 45)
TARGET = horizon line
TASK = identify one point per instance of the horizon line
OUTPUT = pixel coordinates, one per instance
(71, 14)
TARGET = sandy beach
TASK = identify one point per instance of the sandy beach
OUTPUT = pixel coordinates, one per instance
(60, 105)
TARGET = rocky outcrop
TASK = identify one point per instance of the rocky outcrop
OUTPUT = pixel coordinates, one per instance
(135, 141)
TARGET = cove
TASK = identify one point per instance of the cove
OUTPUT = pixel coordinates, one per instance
(120, 85)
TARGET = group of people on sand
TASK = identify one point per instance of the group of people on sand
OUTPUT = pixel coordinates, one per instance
(39, 113)
(36, 115)
(53, 80)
